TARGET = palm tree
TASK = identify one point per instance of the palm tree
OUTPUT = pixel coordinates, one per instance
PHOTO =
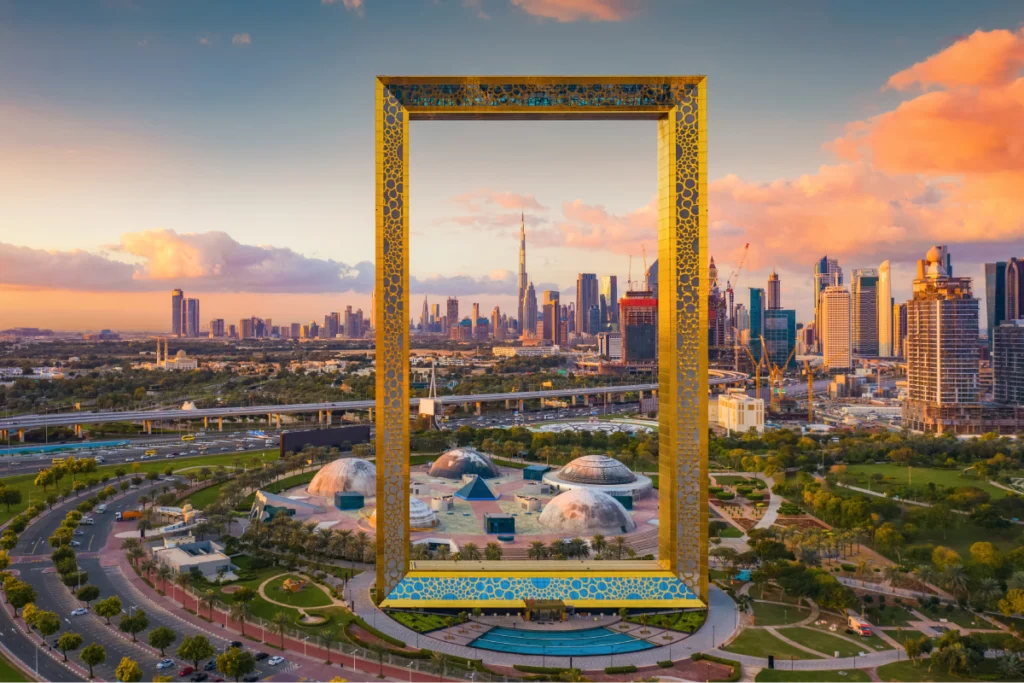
(239, 612)
(470, 551)
(893, 575)
(163, 573)
(927, 574)
(209, 599)
(620, 547)
(443, 551)
(1016, 581)
(183, 579)
(988, 590)
(956, 580)
(598, 544)
(441, 659)
(493, 551)
(579, 548)
(280, 621)
(537, 551)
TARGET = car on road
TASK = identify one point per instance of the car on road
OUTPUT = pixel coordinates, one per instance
(251, 678)
(199, 676)
(78, 532)
(210, 665)
(75, 544)
(169, 455)
(165, 664)
(79, 612)
(275, 660)
(235, 643)
(129, 459)
(260, 656)
(185, 670)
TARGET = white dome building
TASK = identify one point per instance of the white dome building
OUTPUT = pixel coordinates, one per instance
(600, 473)
(345, 474)
(586, 511)
(420, 516)
(458, 462)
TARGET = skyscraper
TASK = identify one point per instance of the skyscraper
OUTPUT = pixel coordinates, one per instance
(353, 323)
(425, 316)
(586, 297)
(1008, 362)
(826, 274)
(942, 351)
(373, 308)
(530, 312)
(609, 300)
(190, 322)
(639, 323)
(836, 342)
(864, 300)
(522, 270)
(780, 336)
(1014, 289)
(774, 292)
(497, 324)
(552, 317)
(475, 318)
(717, 307)
(757, 311)
(452, 317)
(884, 306)
(899, 330)
(651, 278)
(177, 296)
(217, 328)
(995, 296)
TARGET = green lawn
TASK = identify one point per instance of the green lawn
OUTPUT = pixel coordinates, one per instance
(773, 594)
(823, 642)
(24, 482)
(9, 673)
(419, 622)
(731, 480)
(908, 671)
(279, 486)
(310, 596)
(957, 616)
(688, 622)
(760, 643)
(769, 614)
(919, 476)
(783, 675)
(893, 615)
(963, 534)
(731, 532)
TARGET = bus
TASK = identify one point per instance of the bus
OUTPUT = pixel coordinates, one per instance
(151, 451)
(57, 461)
(188, 437)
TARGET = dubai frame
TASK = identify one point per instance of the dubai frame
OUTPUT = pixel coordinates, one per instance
(678, 105)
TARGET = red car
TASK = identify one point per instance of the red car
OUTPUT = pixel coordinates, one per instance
(185, 670)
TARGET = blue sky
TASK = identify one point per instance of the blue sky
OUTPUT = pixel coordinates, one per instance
(124, 116)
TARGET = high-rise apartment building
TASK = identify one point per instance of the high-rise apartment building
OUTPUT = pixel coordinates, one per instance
(639, 324)
(247, 328)
(780, 336)
(884, 307)
(757, 311)
(523, 281)
(774, 291)
(425, 316)
(1008, 362)
(474, 318)
(717, 317)
(942, 351)
(530, 312)
(827, 273)
(552, 317)
(177, 297)
(452, 317)
(651, 279)
(741, 321)
(435, 318)
(587, 296)
(835, 331)
(864, 302)
(995, 296)
(353, 323)
(232, 332)
(190, 318)
(609, 300)
(899, 330)
(1014, 289)
(497, 324)
(217, 328)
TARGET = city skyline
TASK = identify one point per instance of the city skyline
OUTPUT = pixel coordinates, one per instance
(854, 181)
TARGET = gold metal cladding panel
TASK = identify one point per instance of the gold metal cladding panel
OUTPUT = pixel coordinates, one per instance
(677, 103)
(392, 377)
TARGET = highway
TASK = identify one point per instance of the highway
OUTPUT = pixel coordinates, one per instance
(717, 377)
(31, 559)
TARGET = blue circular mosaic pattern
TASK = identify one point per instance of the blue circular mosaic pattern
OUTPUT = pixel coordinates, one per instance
(612, 588)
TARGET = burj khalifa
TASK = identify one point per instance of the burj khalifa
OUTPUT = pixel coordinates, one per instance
(523, 282)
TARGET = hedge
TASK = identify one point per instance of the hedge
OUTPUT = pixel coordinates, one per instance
(725, 495)
(736, 668)
(847, 567)
(628, 669)
(755, 496)
(666, 663)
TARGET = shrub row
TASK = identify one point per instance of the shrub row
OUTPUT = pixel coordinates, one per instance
(736, 669)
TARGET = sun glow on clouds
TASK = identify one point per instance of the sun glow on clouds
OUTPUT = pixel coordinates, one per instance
(580, 10)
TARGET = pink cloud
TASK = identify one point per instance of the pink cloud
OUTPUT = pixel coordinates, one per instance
(241, 39)
(984, 58)
(580, 10)
(352, 5)
(592, 226)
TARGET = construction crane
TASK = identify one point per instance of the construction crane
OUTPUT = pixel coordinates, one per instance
(757, 372)
(734, 277)
(810, 392)
(775, 374)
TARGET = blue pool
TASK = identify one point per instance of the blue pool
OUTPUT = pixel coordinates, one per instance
(594, 641)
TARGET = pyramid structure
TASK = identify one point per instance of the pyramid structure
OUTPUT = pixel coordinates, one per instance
(476, 489)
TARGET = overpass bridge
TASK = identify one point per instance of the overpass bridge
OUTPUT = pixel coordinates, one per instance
(21, 423)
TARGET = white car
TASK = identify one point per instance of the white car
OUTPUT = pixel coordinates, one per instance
(165, 664)
(129, 459)
(169, 455)
(275, 660)
(78, 532)
(79, 612)
(75, 544)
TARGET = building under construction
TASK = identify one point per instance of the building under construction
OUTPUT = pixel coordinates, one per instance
(638, 316)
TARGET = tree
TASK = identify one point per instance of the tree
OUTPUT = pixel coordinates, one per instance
(236, 662)
(280, 622)
(195, 649)
(183, 580)
(93, 655)
(109, 607)
(470, 551)
(888, 537)
(133, 623)
(161, 638)
(47, 623)
(19, 593)
(1013, 603)
(88, 593)
(240, 612)
(10, 497)
(128, 670)
(69, 641)
(985, 553)
(493, 551)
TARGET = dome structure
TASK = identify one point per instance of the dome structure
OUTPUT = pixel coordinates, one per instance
(596, 469)
(458, 462)
(585, 511)
(344, 474)
(420, 516)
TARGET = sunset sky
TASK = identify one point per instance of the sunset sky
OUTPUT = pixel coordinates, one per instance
(226, 148)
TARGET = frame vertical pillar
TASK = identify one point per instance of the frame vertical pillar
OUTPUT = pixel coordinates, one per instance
(392, 376)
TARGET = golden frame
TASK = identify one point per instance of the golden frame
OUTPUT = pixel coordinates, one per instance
(678, 105)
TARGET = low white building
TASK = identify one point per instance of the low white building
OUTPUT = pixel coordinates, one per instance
(207, 557)
(738, 412)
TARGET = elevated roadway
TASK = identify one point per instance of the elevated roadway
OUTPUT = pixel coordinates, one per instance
(20, 423)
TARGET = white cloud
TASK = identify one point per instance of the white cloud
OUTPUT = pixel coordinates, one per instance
(241, 39)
